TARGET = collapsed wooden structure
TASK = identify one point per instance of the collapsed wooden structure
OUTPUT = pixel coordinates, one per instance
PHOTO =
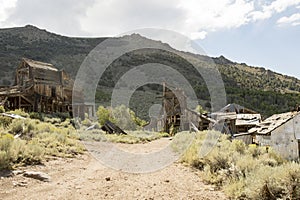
(175, 116)
(112, 128)
(40, 87)
(237, 121)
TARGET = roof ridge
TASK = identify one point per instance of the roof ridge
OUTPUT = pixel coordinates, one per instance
(39, 62)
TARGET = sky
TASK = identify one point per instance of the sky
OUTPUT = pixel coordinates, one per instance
(261, 33)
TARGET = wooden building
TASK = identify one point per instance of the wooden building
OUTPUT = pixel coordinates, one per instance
(174, 104)
(39, 87)
(281, 132)
(175, 116)
(236, 121)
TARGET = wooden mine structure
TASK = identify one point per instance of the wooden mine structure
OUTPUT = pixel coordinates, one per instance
(174, 103)
(177, 116)
(38, 87)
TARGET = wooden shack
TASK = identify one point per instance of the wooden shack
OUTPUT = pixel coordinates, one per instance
(236, 121)
(281, 132)
(236, 118)
(38, 87)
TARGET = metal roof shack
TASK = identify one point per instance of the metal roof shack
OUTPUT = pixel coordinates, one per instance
(236, 118)
(273, 122)
(281, 132)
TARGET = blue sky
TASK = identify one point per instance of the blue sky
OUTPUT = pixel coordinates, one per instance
(260, 33)
(263, 44)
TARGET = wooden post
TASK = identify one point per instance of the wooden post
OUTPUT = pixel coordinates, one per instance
(15, 103)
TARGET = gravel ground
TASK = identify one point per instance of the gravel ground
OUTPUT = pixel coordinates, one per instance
(84, 177)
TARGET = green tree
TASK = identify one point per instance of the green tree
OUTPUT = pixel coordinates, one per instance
(122, 116)
(103, 115)
(200, 109)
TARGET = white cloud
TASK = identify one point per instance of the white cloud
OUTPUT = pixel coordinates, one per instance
(216, 14)
(5, 10)
(275, 7)
(293, 20)
(114, 17)
(193, 18)
(60, 16)
(198, 35)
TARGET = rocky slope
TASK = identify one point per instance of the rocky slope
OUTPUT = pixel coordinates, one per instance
(260, 89)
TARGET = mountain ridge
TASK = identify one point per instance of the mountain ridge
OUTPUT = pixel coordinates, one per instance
(244, 84)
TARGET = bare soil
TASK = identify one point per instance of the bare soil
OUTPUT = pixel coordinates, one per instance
(84, 177)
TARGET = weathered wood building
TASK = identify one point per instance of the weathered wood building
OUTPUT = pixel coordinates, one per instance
(176, 116)
(38, 87)
(281, 132)
(237, 119)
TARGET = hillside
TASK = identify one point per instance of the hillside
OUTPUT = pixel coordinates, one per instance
(257, 88)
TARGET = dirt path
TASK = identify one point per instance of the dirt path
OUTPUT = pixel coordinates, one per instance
(85, 178)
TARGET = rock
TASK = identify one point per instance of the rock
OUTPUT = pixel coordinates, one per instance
(38, 175)
(19, 184)
(17, 172)
(6, 173)
(107, 178)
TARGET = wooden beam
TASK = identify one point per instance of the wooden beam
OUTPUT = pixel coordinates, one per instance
(26, 99)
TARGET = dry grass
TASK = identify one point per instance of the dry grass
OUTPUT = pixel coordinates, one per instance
(245, 172)
(36, 140)
(132, 137)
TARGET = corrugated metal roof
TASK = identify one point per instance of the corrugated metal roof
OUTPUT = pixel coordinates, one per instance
(272, 123)
(247, 119)
(40, 65)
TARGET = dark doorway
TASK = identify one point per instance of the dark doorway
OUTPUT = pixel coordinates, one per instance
(53, 91)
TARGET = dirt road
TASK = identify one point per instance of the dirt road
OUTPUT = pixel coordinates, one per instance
(85, 177)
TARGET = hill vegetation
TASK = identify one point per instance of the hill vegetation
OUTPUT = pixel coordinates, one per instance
(257, 88)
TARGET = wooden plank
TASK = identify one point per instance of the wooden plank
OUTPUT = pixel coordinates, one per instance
(26, 99)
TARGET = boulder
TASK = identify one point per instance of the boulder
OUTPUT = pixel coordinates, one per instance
(38, 175)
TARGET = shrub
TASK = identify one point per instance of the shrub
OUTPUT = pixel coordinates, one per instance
(4, 160)
(17, 126)
(245, 172)
(2, 110)
(52, 120)
(132, 137)
(5, 121)
(59, 143)
(27, 128)
(5, 142)
(33, 154)
(236, 189)
(36, 115)
(92, 135)
(124, 117)
(86, 122)
(17, 151)
(19, 112)
(200, 109)
(103, 115)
